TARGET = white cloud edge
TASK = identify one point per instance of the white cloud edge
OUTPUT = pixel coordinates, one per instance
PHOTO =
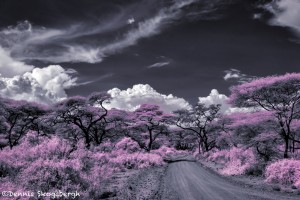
(286, 13)
(28, 38)
(216, 98)
(158, 65)
(132, 98)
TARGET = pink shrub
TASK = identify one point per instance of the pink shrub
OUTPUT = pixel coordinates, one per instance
(236, 161)
(297, 184)
(165, 151)
(49, 164)
(136, 161)
(127, 144)
(286, 171)
(51, 175)
(42, 164)
(219, 156)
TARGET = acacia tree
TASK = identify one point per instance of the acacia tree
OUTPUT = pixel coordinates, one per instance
(17, 118)
(112, 127)
(255, 129)
(148, 119)
(89, 115)
(222, 127)
(199, 121)
(182, 140)
(277, 94)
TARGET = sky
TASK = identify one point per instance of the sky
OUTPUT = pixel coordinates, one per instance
(170, 52)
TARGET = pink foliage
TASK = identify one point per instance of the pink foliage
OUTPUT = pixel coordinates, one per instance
(135, 160)
(49, 164)
(286, 171)
(249, 118)
(128, 155)
(165, 151)
(236, 161)
(127, 144)
(263, 83)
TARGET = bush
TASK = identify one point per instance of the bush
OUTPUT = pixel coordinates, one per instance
(135, 160)
(235, 161)
(52, 164)
(165, 151)
(127, 144)
(52, 175)
(286, 172)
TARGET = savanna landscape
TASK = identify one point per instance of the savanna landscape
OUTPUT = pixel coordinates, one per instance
(150, 100)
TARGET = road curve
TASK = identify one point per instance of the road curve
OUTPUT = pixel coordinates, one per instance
(192, 182)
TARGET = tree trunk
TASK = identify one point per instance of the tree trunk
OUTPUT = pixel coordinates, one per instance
(96, 138)
(10, 141)
(87, 139)
(199, 146)
(286, 147)
(293, 146)
(150, 141)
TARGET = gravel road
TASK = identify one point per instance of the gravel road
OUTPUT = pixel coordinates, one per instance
(193, 182)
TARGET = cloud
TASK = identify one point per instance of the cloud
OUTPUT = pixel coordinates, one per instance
(21, 81)
(237, 75)
(10, 67)
(148, 27)
(232, 74)
(132, 98)
(27, 42)
(257, 16)
(159, 64)
(44, 85)
(131, 20)
(286, 13)
(102, 77)
(216, 98)
(72, 54)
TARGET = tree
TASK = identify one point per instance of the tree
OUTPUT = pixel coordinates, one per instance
(254, 129)
(87, 114)
(277, 94)
(181, 139)
(225, 138)
(148, 119)
(199, 121)
(17, 118)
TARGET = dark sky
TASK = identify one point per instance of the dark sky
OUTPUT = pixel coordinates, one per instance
(179, 49)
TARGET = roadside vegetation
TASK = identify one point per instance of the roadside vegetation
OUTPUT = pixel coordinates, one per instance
(78, 144)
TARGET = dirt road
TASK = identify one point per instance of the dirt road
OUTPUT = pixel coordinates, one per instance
(190, 181)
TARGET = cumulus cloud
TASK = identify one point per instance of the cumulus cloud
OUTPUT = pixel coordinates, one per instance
(286, 13)
(132, 98)
(21, 81)
(216, 98)
(45, 85)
